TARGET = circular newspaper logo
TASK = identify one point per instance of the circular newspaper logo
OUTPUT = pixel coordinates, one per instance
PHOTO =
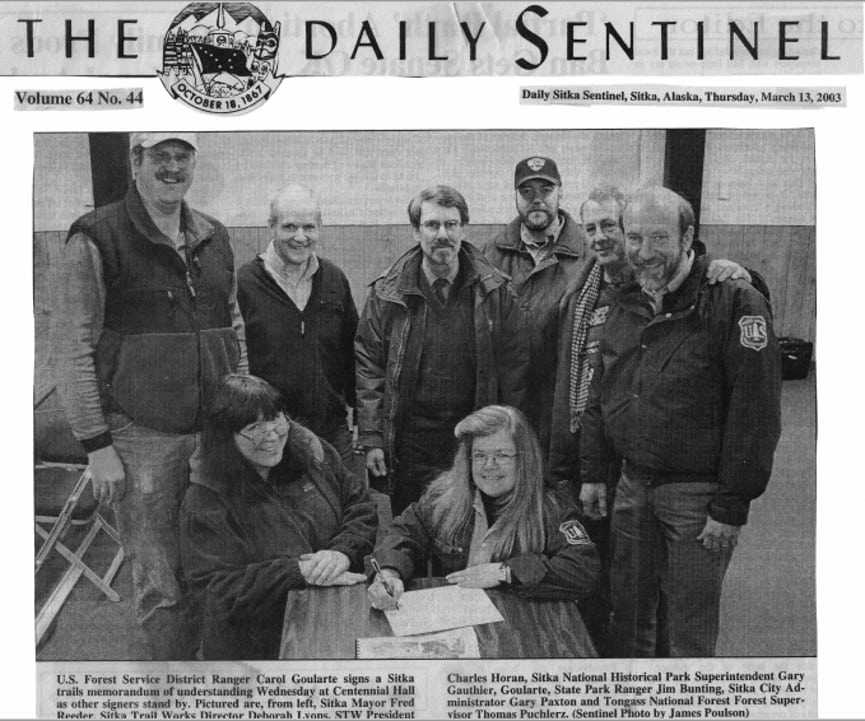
(221, 57)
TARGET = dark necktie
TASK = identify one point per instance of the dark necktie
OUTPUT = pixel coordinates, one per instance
(439, 288)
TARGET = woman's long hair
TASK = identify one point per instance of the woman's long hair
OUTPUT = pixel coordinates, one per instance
(235, 403)
(520, 523)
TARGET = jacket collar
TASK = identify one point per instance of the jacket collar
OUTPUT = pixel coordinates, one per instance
(569, 243)
(684, 298)
(401, 279)
(276, 266)
(196, 226)
(302, 450)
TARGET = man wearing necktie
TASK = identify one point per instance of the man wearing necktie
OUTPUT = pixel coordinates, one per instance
(440, 336)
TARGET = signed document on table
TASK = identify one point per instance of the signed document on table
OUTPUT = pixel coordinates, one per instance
(438, 609)
(454, 643)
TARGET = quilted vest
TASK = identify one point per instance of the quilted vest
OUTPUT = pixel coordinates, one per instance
(167, 336)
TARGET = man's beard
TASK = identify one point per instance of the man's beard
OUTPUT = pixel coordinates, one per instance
(548, 215)
(656, 276)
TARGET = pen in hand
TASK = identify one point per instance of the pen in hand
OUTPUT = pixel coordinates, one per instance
(384, 582)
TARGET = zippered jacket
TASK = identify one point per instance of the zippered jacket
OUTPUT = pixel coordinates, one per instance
(386, 361)
(540, 289)
(567, 567)
(241, 540)
(308, 356)
(692, 393)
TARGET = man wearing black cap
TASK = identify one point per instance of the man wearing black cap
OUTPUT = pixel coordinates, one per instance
(541, 251)
(145, 322)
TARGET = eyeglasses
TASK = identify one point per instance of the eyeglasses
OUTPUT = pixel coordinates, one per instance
(500, 457)
(527, 192)
(451, 226)
(163, 157)
(256, 432)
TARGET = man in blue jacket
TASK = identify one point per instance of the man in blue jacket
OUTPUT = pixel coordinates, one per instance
(688, 395)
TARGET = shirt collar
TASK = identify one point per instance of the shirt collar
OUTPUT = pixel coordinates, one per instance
(432, 277)
(276, 266)
(675, 282)
(551, 233)
(194, 226)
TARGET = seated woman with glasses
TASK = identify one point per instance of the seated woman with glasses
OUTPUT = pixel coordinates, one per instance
(488, 521)
(273, 508)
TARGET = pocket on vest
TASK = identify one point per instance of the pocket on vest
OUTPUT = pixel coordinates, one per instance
(157, 383)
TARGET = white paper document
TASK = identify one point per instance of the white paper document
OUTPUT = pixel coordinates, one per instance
(437, 609)
(453, 643)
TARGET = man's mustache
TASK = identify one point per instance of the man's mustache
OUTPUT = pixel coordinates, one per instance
(168, 175)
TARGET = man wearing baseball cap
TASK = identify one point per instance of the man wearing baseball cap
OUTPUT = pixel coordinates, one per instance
(145, 322)
(541, 250)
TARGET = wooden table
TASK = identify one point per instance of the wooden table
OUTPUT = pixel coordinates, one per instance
(325, 623)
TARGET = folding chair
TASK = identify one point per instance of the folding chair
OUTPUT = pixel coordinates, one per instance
(62, 504)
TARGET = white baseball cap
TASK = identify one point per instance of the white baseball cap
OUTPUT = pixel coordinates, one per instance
(148, 140)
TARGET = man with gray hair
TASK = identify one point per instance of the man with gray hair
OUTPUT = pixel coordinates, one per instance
(583, 313)
(145, 322)
(687, 398)
(301, 320)
(584, 310)
(440, 336)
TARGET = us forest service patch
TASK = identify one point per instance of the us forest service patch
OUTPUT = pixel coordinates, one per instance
(574, 533)
(752, 332)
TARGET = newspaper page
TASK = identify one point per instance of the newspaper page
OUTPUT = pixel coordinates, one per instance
(751, 111)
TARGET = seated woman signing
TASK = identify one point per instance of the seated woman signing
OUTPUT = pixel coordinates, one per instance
(488, 521)
(273, 508)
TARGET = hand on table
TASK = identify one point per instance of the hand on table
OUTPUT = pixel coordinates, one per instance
(322, 568)
(108, 474)
(379, 597)
(486, 575)
(717, 536)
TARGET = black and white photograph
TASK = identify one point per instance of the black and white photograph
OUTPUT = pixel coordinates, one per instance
(570, 368)
(431, 360)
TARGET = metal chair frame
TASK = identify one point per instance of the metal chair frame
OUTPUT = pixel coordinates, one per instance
(53, 539)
